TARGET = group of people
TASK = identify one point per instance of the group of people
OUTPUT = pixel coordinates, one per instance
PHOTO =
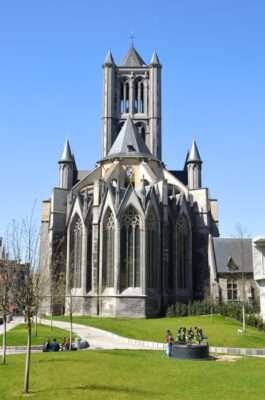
(184, 336)
(55, 346)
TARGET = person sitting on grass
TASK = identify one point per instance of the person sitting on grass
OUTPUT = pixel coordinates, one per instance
(55, 345)
(47, 345)
(65, 345)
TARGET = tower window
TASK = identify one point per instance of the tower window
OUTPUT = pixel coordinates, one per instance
(139, 97)
(141, 130)
(124, 96)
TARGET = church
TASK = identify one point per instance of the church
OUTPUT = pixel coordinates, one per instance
(134, 236)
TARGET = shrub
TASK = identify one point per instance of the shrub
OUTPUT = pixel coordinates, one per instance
(206, 307)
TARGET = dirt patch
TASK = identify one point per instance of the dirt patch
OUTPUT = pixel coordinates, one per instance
(228, 358)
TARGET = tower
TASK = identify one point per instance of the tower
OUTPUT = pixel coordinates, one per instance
(67, 168)
(133, 89)
(194, 163)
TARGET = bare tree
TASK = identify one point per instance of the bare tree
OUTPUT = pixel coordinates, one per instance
(72, 295)
(241, 234)
(5, 285)
(26, 280)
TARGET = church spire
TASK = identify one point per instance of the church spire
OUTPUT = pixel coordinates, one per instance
(108, 60)
(67, 154)
(67, 167)
(155, 59)
(194, 163)
(194, 155)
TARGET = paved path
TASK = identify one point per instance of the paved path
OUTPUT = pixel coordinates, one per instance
(100, 339)
(10, 325)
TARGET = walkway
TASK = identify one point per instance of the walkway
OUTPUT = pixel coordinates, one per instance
(100, 339)
(10, 325)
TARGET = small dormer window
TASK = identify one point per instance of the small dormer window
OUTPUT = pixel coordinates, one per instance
(130, 148)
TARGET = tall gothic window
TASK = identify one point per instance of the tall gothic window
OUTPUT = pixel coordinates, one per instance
(89, 256)
(182, 251)
(124, 96)
(141, 130)
(139, 96)
(171, 258)
(76, 255)
(130, 249)
(108, 250)
(152, 251)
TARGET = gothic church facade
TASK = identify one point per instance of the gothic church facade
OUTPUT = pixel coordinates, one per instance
(134, 235)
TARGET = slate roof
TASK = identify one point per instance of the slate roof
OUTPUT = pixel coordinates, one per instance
(129, 143)
(228, 252)
(194, 155)
(67, 154)
(155, 59)
(181, 176)
(132, 59)
(109, 59)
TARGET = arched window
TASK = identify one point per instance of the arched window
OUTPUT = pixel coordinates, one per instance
(171, 257)
(152, 251)
(76, 254)
(139, 96)
(130, 249)
(108, 250)
(182, 251)
(124, 96)
(141, 130)
(89, 255)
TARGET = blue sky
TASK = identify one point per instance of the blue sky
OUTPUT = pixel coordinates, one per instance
(213, 59)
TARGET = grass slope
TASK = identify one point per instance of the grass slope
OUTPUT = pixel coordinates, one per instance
(18, 335)
(131, 375)
(221, 331)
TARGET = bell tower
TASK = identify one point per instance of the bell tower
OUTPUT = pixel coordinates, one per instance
(133, 89)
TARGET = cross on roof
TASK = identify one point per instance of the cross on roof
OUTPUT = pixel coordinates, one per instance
(132, 36)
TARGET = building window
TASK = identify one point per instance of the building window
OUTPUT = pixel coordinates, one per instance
(76, 255)
(141, 130)
(124, 96)
(130, 249)
(171, 258)
(139, 96)
(231, 290)
(182, 251)
(89, 256)
(152, 251)
(108, 250)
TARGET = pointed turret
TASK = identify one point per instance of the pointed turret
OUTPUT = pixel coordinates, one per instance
(155, 59)
(194, 155)
(132, 59)
(67, 167)
(109, 60)
(129, 143)
(194, 163)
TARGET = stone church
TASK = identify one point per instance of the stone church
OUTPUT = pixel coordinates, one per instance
(135, 236)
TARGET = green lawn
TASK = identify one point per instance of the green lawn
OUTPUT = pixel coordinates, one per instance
(18, 335)
(131, 375)
(221, 331)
